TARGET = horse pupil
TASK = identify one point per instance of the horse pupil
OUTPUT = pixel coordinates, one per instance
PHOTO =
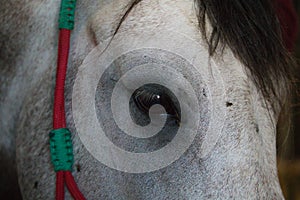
(148, 95)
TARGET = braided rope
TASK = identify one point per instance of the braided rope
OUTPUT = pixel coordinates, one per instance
(60, 138)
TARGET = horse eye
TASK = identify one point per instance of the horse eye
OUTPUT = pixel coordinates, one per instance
(145, 101)
(158, 102)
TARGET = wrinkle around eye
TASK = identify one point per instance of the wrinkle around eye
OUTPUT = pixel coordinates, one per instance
(104, 23)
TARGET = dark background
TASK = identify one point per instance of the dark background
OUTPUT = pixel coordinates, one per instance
(296, 106)
(289, 163)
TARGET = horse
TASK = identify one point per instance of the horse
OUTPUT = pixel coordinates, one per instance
(165, 99)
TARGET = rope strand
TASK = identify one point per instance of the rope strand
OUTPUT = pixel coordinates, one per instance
(60, 189)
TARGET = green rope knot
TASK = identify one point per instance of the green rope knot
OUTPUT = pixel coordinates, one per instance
(66, 14)
(61, 149)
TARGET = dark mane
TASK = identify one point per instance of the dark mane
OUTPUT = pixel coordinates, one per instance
(251, 30)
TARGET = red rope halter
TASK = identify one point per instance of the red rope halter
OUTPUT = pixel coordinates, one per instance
(59, 119)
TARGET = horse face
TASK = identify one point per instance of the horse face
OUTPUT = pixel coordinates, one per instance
(153, 116)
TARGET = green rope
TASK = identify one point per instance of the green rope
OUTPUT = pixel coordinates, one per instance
(66, 14)
(61, 149)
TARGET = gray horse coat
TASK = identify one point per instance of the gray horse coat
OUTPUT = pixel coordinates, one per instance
(224, 147)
